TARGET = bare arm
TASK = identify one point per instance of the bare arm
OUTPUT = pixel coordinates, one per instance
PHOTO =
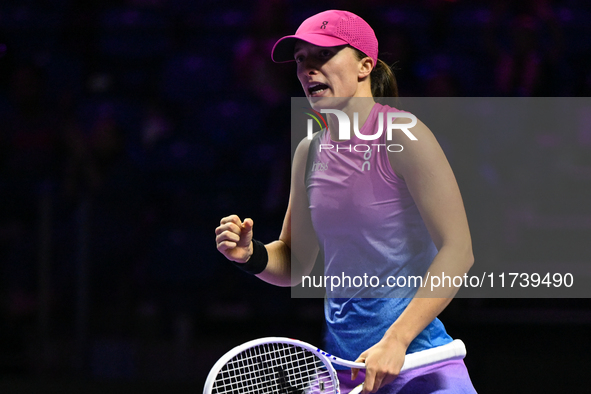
(234, 237)
(430, 180)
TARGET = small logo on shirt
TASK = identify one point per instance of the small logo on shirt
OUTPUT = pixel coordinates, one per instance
(366, 157)
(318, 166)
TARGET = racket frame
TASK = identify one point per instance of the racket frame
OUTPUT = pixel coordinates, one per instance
(321, 355)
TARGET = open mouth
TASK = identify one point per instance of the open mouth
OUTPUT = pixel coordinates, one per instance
(317, 88)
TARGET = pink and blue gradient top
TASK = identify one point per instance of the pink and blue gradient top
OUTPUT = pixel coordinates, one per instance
(367, 224)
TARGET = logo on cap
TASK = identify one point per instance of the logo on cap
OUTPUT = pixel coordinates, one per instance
(324, 23)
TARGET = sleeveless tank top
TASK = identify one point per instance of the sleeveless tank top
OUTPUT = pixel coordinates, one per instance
(368, 226)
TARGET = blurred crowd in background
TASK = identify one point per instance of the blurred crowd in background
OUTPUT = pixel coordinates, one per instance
(128, 128)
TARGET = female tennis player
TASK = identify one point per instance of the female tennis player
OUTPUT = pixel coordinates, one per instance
(388, 212)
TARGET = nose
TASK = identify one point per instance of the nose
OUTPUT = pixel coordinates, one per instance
(309, 66)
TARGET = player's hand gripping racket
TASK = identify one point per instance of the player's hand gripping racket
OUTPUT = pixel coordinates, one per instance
(288, 366)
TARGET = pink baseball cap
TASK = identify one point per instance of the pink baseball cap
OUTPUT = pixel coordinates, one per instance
(329, 29)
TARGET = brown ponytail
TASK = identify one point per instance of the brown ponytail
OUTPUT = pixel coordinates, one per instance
(383, 81)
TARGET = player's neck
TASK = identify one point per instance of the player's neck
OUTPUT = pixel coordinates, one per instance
(361, 106)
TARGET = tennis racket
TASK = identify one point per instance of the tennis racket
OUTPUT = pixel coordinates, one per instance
(288, 366)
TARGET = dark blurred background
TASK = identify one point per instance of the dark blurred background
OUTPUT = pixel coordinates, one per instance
(128, 128)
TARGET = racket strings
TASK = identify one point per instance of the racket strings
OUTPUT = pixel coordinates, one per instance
(275, 368)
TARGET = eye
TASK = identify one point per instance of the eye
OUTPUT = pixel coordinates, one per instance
(325, 53)
(299, 58)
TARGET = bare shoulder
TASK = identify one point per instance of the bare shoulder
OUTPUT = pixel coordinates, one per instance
(303, 147)
(416, 156)
(301, 156)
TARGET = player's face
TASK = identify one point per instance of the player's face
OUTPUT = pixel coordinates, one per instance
(327, 71)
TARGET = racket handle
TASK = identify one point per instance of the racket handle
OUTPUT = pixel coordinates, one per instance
(455, 350)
